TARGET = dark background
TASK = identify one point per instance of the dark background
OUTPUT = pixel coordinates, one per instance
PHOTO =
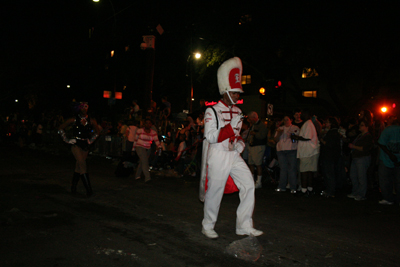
(46, 46)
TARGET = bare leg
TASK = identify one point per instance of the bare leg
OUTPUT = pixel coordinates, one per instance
(80, 157)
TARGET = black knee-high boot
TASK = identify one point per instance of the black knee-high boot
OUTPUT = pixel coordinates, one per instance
(75, 180)
(86, 183)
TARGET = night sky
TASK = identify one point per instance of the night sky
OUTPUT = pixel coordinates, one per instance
(46, 45)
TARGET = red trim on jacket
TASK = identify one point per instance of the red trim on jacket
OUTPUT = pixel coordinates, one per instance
(225, 133)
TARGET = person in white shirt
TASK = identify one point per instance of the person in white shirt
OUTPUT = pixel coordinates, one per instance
(286, 148)
(308, 153)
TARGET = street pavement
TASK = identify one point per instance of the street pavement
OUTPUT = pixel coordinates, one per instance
(131, 223)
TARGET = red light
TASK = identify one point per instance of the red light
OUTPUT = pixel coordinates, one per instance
(393, 105)
(118, 95)
(212, 103)
(279, 83)
(106, 94)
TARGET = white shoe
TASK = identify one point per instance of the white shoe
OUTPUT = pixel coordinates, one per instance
(385, 202)
(249, 231)
(209, 233)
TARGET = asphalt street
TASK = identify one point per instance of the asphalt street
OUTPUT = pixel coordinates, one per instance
(131, 223)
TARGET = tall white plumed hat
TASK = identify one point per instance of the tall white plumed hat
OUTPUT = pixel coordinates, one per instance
(230, 76)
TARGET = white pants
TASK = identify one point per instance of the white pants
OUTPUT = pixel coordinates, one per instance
(221, 164)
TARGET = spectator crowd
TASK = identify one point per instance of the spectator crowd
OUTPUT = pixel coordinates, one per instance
(298, 152)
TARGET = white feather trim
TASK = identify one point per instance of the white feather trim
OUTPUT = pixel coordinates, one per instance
(223, 74)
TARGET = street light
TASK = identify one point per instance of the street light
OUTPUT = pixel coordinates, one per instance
(197, 56)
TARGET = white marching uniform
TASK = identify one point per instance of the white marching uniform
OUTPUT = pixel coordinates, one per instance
(221, 158)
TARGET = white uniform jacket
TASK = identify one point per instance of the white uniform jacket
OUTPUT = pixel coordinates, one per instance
(219, 134)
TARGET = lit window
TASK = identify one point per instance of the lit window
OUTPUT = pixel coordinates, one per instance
(106, 94)
(246, 79)
(112, 53)
(309, 72)
(118, 95)
(310, 94)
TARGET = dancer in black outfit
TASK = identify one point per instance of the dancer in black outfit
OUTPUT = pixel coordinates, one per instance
(85, 131)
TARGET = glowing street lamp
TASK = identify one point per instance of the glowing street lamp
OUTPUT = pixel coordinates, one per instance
(197, 56)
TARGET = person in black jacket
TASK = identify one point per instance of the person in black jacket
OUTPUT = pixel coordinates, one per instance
(85, 131)
(361, 150)
(330, 153)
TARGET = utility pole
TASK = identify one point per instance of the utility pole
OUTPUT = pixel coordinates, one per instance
(148, 46)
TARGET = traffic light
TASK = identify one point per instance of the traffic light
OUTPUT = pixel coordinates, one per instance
(278, 84)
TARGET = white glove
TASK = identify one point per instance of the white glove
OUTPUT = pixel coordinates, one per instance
(64, 137)
(235, 121)
(70, 141)
(240, 147)
(92, 139)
